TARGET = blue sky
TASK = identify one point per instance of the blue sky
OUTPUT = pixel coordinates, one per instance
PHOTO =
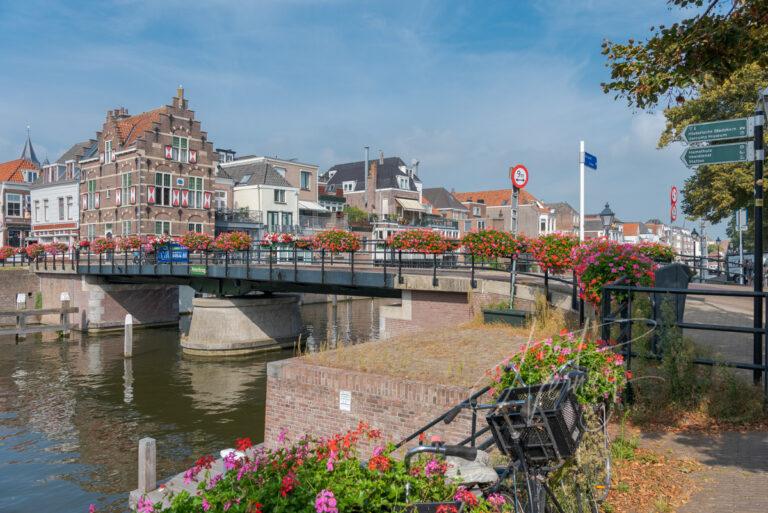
(468, 88)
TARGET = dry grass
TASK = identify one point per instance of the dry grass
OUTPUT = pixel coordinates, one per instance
(457, 356)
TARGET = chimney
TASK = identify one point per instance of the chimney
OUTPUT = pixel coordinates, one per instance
(381, 158)
(178, 101)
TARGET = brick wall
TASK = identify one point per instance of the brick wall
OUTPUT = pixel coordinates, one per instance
(304, 399)
(14, 281)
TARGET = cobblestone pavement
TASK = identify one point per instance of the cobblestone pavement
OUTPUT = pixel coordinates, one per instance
(735, 479)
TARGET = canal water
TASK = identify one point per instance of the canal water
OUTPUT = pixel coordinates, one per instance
(71, 413)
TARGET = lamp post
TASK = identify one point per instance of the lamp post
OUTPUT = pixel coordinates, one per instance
(695, 237)
(717, 243)
(606, 216)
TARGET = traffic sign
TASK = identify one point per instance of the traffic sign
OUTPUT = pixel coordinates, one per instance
(673, 196)
(519, 175)
(718, 154)
(719, 130)
(590, 160)
(673, 214)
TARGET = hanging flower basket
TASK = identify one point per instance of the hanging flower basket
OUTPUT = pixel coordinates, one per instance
(56, 248)
(553, 251)
(422, 241)
(102, 245)
(130, 243)
(195, 241)
(490, 244)
(233, 241)
(336, 240)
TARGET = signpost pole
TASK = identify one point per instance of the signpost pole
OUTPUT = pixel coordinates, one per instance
(515, 203)
(741, 246)
(758, 255)
(581, 191)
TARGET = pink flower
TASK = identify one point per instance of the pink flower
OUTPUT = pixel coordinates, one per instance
(92, 508)
(145, 505)
(281, 435)
(325, 502)
(206, 504)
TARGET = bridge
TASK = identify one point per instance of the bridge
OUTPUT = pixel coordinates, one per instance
(452, 287)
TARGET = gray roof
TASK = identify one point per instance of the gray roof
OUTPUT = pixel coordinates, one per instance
(28, 152)
(255, 173)
(561, 205)
(439, 197)
(79, 151)
(386, 174)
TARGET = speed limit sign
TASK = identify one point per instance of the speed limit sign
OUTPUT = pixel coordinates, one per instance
(519, 175)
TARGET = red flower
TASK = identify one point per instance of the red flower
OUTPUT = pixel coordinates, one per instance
(288, 484)
(243, 444)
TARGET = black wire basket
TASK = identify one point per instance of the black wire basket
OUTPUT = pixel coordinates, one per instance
(545, 421)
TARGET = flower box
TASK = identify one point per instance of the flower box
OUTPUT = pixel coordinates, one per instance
(507, 316)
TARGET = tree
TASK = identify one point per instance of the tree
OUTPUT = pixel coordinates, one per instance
(355, 215)
(709, 66)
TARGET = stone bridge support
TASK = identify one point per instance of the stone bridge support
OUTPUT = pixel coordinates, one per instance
(103, 305)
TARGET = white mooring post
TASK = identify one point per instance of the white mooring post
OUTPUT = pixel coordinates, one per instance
(21, 319)
(128, 343)
(147, 465)
(64, 316)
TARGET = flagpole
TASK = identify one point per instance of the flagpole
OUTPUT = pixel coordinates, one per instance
(581, 191)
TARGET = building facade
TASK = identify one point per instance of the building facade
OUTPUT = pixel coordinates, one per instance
(153, 173)
(16, 176)
(55, 197)
(493, 209)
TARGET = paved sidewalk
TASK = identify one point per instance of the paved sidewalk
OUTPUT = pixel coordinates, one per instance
(735, 479)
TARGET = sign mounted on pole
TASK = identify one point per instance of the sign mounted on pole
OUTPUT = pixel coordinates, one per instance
(718, 154)
(719, 130)
(590, 160)
(673, 196)
(673, 204)
(673, 214)
(519, 175)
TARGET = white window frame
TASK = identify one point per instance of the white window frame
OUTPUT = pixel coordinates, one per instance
(195, 227)
(61, 208)
(70, 207)
(279, 196)
(162, 226)
(125, 187)
(165, 183)
(481, 224)
(91, 194)
(475, 211)
(220, 200)
(543, 224)
(195, 187)
(108, 152)
(402, 182)
(280, 170)
(303, 173)
(91, 231)
(348, 186)
(45, 210)
(180, 149)
(127, 227)
(37, 210)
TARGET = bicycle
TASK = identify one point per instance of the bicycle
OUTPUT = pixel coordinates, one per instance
(538, 429)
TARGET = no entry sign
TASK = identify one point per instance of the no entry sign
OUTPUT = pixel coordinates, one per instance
(519, 175)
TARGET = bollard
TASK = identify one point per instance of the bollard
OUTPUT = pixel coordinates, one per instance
(64, 315)
(128, 342)
(21, 319)
(147, 465)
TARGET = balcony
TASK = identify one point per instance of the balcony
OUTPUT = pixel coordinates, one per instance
(238, 215)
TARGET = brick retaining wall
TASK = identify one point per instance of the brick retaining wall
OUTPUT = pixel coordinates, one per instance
(304, 399)
(14, 281)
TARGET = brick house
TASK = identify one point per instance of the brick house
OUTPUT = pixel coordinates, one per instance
(15, 179)
(493, 209)
(566, 217)
(445, 204)
(154, 173)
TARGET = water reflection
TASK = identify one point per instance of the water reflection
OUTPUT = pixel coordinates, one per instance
(72, 412)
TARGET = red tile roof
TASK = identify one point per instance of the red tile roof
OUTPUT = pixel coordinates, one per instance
(495, 198)
(130, 129)
(631, 229)
(11, 171)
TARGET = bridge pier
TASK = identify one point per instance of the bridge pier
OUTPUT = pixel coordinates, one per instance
(242, 325)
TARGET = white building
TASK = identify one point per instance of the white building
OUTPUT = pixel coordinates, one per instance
(263, 192)
(54, 197)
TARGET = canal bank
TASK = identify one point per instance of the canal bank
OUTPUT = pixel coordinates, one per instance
(72, 412)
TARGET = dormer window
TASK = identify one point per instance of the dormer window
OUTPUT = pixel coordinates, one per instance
(348, 186)
(280, 171)
(30, 175)
(108, 153)
(403, 182)
(180, 149)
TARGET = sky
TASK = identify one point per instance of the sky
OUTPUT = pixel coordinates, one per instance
(467, 88)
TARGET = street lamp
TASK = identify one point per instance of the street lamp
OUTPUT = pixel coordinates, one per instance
(695, 237)
(717, 243)
(606, 216)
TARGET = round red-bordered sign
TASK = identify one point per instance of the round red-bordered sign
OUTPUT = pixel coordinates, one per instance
(519, 176)
(673, 196)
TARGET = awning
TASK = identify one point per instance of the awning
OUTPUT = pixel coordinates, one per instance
(411, 204)
(311, 205)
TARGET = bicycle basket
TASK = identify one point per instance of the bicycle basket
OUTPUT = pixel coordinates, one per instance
(546, 417)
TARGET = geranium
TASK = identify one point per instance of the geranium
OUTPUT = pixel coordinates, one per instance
(465, 496)
(102, 245)
(85, 243)
(656, 251)
(271, 238)
(34, 251)
(304, 243)
(420, 241)
(494, 244)
(600, 261)
(539, 363)
(196, 241)
(233, 241)
(553, 251)
(336, 240)
(56, 248)
(129, 243)
(159, 240)
(7, 252)
(243, 444)
(326, 502)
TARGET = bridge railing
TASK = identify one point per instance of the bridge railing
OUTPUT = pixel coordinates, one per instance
(373, 257)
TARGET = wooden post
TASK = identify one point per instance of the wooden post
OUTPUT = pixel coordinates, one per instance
(147, 465)
(128, 342)
(64, 315)
(21, 319)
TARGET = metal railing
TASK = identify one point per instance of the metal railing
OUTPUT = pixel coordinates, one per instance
(622, 317)
(239, 215)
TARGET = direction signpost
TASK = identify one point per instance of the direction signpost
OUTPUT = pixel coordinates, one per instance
(719, 130)
(719, 154)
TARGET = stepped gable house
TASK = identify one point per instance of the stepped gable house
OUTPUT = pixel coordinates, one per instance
(154, 173)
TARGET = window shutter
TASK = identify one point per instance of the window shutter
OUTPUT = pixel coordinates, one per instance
(184, 198)
(114, 157)
(96, 201)
(118, 197)
(175, 197)
(207, 200)
(151, 194)
(84, 202)
(168, 152)
(193, 156)
(133, 195)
